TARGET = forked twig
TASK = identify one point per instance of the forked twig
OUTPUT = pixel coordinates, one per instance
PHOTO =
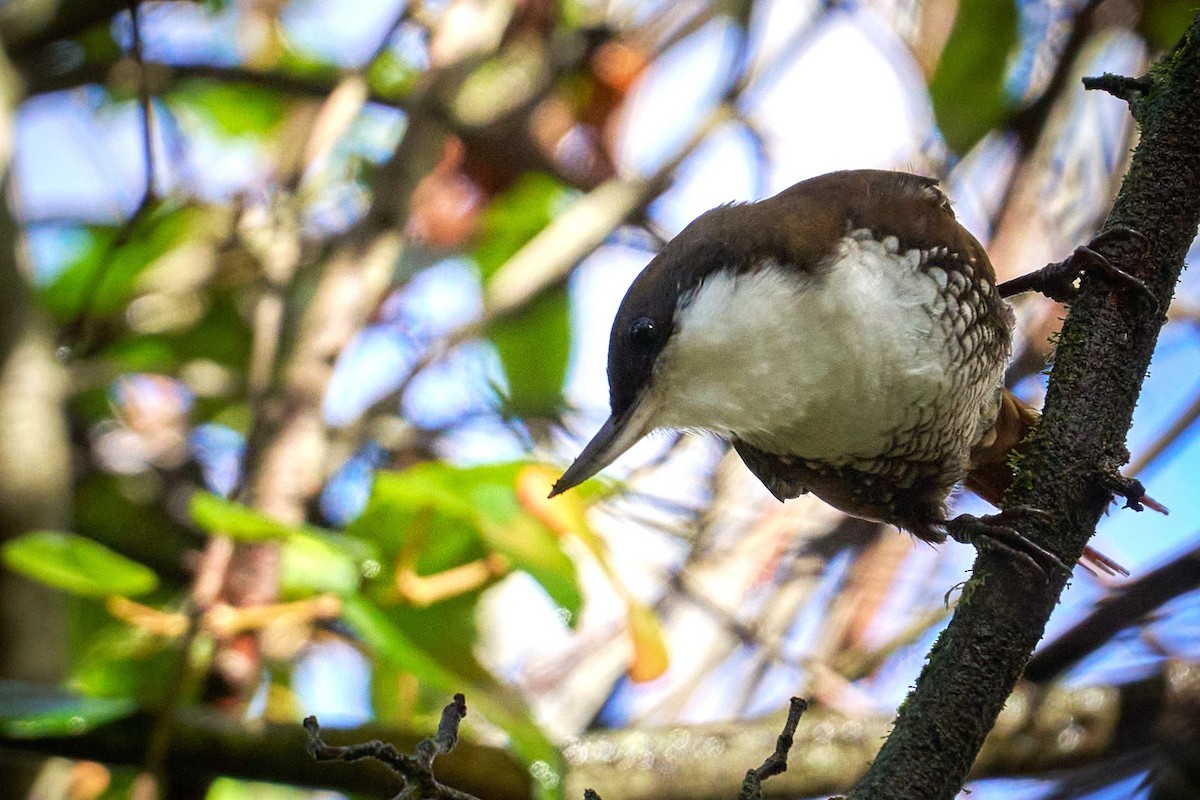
(416, 770)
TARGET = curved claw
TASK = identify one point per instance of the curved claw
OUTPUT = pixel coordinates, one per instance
(1099, 265)
(1123, 232)
(997, 531)
(1057, 280)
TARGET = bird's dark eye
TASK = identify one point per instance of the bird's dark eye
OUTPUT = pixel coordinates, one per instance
(643, 332)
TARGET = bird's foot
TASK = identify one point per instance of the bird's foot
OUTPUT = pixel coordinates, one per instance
(1131, 491)
(999, 532)
(1058, 281)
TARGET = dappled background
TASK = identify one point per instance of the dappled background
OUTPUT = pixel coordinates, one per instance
(306, 306)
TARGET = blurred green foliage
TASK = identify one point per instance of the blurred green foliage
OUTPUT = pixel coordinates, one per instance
(103, 279)
(534, 344)
(29, 714)
(968, 88)
(233, 109)
(77, 565)
(1162, 21)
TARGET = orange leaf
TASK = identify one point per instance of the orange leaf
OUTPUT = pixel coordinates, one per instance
(650, 657)
(564, 514)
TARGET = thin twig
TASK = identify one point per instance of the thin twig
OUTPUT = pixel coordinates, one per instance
(78, 333)
(1120, 86)
(315, 86)
(406, 12)
(338, 110)
(416, 770)
(1030, 122)
(796, 43)
(143, 87)
(771, 645)
(548, 259)
(776, 763)
(214, 564)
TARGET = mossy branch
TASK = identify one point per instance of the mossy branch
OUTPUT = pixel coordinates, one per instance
(1104, 352)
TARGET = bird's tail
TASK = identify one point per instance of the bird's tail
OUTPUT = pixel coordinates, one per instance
(991, 462)
(991, 470)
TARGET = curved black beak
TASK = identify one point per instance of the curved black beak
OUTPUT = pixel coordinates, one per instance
(618, 434)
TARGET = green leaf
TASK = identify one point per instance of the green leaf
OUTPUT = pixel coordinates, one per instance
(102, 279)
(968, 89)
(30, 711)
(450, 674)
(110, 658)
(230, 789)
(416, 503)
(312, 565)
(233, 109)
(297, 63)
(533, 549)
(534, 348)
(140, 354)
(136, 523)
(314, 560)
(462, 514)
(525, 541)
(1162, 22)
(217, 515)
(76, 565)
(221, 335)
(392, 76)
(98, 45)
(390, 641)
(516, 216)
(575, 14)
(534, 344)
(455, 515)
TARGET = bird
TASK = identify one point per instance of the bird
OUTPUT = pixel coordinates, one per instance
(848, 337)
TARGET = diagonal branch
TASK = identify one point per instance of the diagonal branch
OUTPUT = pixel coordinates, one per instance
(1105, 349)
(1122, 608)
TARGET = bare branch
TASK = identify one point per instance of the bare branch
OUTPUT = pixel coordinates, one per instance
(1121, 608)
(776, 763)
(78, 333)
(1103, 355)
(416, 770)
(1120, 86)
(1043, 730)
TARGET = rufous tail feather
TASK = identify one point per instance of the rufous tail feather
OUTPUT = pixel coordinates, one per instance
(991, 470)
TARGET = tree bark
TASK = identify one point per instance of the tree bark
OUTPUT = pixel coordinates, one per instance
(1103, 354)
